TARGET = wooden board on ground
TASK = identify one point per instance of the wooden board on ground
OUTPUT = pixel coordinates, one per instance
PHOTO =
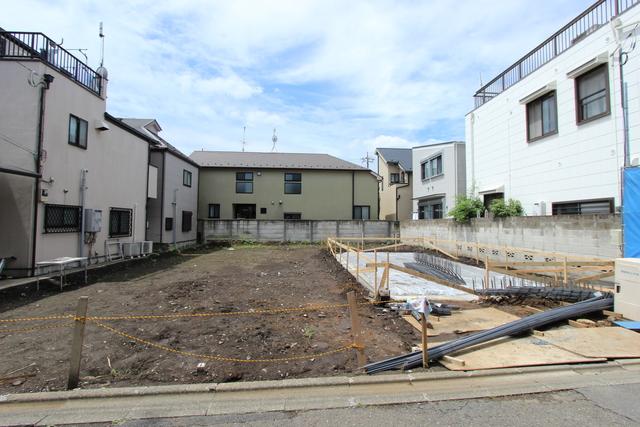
(470, 320)
(513, 352)
(609, 342)
(416, 324)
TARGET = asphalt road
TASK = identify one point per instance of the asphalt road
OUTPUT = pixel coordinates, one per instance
(591, 406)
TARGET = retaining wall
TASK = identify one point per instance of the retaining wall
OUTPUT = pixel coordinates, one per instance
(293, 230)
(590, 235)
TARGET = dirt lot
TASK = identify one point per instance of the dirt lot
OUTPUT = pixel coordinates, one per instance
(217, 281)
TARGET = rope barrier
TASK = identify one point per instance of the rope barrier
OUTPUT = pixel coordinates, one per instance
(37, 328)
(220, 358)
(35, 319)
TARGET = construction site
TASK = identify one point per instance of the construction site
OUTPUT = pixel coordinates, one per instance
(239, 311)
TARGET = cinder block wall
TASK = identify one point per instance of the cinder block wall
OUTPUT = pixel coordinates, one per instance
(589, 235)
(293, 230)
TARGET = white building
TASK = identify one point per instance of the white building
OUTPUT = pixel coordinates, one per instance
(439, 178)
(550, 130)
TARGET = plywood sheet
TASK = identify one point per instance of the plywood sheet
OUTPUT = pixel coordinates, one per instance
(612, 343)
(471, 320)
(513, 352)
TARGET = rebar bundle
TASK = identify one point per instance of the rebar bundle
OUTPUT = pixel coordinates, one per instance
(414, 359)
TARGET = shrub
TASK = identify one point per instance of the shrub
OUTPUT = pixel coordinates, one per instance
(466, 208)
(501, 209)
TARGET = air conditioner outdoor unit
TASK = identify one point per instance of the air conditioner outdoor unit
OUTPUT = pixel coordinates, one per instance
(132, 250)
(147, 247)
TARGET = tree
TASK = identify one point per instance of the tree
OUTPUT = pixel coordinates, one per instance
(466, 208)
(501, 209)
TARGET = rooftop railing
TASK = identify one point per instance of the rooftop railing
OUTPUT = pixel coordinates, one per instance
(16, 45)
(599, 14)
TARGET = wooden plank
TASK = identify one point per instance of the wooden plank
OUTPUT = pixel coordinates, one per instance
(416, 325)
(464, 321)
(612, 314)
(608, 342)
(514, 352)
(596, 276)
(425, 345)
(454, 360)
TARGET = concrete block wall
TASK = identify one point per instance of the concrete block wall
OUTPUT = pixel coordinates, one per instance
(293, 230)
(586, 235)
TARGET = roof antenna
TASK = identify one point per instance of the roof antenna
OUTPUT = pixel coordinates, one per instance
(244, 141)
(101, 34)
(274, 138)
(366, 159)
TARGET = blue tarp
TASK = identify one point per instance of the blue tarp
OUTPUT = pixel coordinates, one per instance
(631, 213)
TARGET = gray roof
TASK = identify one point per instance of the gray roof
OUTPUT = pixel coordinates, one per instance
(223, 159)
(401, 156)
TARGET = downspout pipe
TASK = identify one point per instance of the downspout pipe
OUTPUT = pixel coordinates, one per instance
(47, 80)
(175, 215)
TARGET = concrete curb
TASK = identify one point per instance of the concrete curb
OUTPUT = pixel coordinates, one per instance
(363, 380)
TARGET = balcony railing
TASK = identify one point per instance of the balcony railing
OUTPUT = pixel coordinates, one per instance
(599, 14)
(16, 45)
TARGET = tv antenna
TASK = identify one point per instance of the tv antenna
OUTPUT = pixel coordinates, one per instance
(366, 159)
(101, 34)
(244, 141)
(274, 138)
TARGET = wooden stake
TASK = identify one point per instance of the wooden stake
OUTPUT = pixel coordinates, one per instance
(375, 273)
(486, 272)
(76, 345)
(357, 266)
(425, 350)
(564, 266)
(355, 329)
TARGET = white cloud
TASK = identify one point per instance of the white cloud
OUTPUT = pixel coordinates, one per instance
(332, 76)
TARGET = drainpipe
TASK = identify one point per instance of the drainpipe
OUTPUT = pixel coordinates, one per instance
(83, 195)
(48, 78)
(175, 215)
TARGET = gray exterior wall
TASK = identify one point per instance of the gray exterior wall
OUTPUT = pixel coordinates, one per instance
(393, 208)
(326, 194)
(450, 184)
(116, 162)
(590, 235)
(186, 198)
(293, 231)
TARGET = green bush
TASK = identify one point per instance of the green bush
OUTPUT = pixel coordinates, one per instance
(466, 208)
(501, 209)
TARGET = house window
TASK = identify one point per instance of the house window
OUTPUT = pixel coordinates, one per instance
(263, 211)
(244, 182)
(592, 94)
(242, 211)
(78, 131)
(292, 215)
(361, 212)
(292, 183)
(62, 218)
(431, 167)
(542, 117)
(394, 178)
(214, 210)
(168, 224)
(186, 221)
(431, 209)
(186, 178)
(583, 207)
(120, 222)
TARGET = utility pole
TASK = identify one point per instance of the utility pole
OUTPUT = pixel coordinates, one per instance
(366, 159)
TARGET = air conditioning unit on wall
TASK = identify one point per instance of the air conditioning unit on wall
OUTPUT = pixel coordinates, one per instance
(132, 250)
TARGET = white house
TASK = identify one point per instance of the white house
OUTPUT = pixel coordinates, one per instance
(550, 130)
(440, 178)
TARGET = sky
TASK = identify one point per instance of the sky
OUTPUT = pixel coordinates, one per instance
(336, 77)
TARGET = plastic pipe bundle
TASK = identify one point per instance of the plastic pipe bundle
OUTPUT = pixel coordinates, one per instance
(413, 360)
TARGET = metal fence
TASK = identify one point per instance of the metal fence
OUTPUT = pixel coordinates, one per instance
(28, 45)
(599, 14)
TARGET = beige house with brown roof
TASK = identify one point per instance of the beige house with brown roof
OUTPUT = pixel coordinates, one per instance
(243, 185)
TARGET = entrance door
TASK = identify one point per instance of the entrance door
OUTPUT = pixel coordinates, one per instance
(431, 209)
(241, 211)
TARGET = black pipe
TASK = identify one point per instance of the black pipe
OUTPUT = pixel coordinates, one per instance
(413, 360)
(47, 79)
(19, 172)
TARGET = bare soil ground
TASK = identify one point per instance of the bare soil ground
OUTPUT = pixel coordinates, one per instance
(221, 280)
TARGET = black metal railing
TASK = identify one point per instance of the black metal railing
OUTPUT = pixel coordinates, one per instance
(599, 14)
(16, 44)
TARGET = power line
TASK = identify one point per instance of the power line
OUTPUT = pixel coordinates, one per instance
(10, 141)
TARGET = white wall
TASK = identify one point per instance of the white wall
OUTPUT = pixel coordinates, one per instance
(452, 181)
(186, 198)
(579, 162)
